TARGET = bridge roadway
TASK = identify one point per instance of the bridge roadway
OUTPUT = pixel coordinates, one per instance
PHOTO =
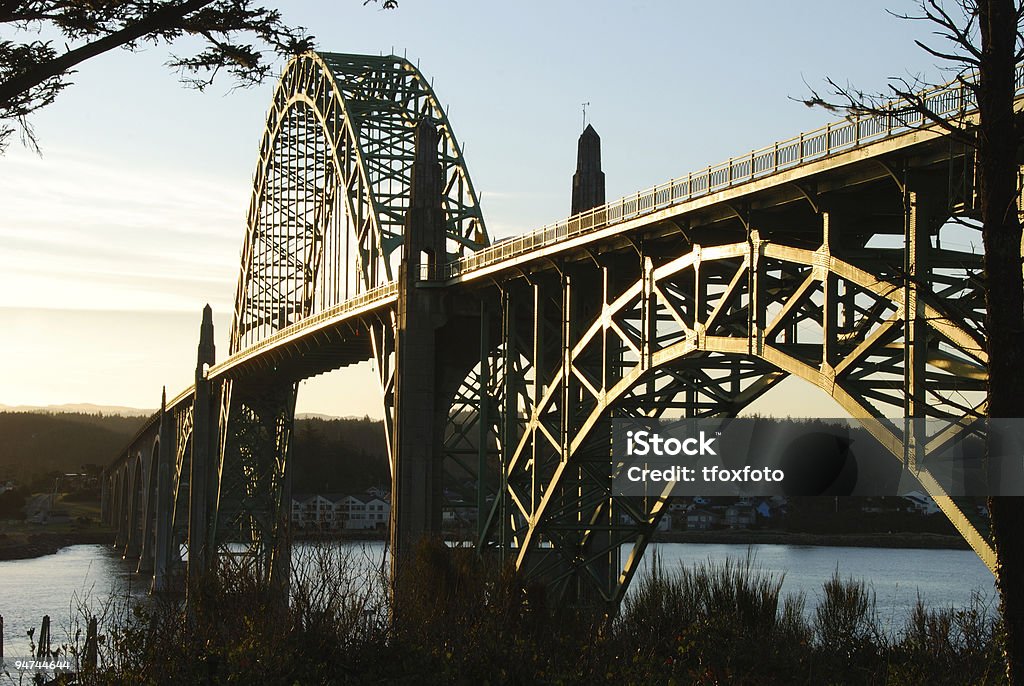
(702, 288)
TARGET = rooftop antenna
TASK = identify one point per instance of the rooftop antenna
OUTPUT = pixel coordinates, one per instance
(585, 105)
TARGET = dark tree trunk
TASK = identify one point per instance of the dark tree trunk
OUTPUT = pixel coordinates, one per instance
(1001, 233)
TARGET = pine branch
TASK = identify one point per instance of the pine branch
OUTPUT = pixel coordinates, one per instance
(165, 17)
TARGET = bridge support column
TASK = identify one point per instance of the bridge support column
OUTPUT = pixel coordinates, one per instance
(134, 509)
(164, 506)
(917, 240)
(105, 498)
(145, 565)
(588, 181)
(589, 480)
(119, 514)
(202, 482)
(416, 481)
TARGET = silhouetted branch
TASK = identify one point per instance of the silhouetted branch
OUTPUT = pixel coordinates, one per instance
(238, 37)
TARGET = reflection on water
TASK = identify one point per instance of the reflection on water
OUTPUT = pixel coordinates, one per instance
(88, 575)
(79, 576)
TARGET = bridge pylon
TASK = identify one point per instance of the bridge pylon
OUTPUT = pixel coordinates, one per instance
(203, 477)
(416, 487)
(163, 506)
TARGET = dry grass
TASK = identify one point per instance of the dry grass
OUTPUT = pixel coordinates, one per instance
(454, 619)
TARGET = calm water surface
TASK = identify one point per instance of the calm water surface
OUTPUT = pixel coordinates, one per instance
(942, 578)
(87, 575)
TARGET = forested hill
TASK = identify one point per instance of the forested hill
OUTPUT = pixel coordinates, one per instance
(329, 455)
(35, 443)
(339, 455)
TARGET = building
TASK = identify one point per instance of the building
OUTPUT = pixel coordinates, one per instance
(920, 503)
(739, 516)
(364, 512)
(699, 519)
(313, 512)
(339, 511)
(664, 524)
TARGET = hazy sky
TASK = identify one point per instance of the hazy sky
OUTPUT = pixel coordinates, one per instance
(133, 218)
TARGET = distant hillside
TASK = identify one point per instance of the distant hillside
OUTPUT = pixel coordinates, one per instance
(336, 455)
(328, 455)
(79, 408)
(33, 443)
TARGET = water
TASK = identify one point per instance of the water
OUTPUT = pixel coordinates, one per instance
(942, 578)
(88, 574)
(57, 585)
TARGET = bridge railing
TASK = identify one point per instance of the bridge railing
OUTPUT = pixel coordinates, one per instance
(354, 303)
(835, 137)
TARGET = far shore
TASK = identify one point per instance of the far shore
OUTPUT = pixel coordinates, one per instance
(24, 545)
(777, 537)
(27, 545)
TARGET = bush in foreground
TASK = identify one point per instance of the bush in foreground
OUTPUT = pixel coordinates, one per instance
(454, 619)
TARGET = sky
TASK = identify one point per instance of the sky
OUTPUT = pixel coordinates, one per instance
(132, 219)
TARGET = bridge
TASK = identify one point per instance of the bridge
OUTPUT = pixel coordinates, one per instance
(502, 363)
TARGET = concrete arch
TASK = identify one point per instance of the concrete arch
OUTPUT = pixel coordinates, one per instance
(150, 460)
(136, 493)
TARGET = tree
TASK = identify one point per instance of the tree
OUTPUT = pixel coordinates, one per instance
(981, 42)
(237, 36)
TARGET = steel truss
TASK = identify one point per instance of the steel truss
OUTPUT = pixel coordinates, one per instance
(331, 188)
(253, 502)
(703, 331)
(326, 222)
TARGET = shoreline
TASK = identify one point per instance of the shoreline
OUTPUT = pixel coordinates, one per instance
(357, 535)
(39, 544)
(925, 541)
(26, 546)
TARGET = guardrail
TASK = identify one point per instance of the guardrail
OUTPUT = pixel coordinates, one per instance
(354, 303)
(835, 137)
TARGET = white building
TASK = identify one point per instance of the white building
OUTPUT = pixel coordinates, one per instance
(921, 503)
(364, 512)
(331, 512)
(313, 512)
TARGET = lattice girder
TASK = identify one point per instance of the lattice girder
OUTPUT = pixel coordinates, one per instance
(702, 334)
(331, 188)
(254, 445)
(182, 452)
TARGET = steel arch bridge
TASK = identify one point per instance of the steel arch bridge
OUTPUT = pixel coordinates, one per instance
(501, 365)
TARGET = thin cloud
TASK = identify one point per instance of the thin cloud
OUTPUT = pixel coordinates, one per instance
(80, 231)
